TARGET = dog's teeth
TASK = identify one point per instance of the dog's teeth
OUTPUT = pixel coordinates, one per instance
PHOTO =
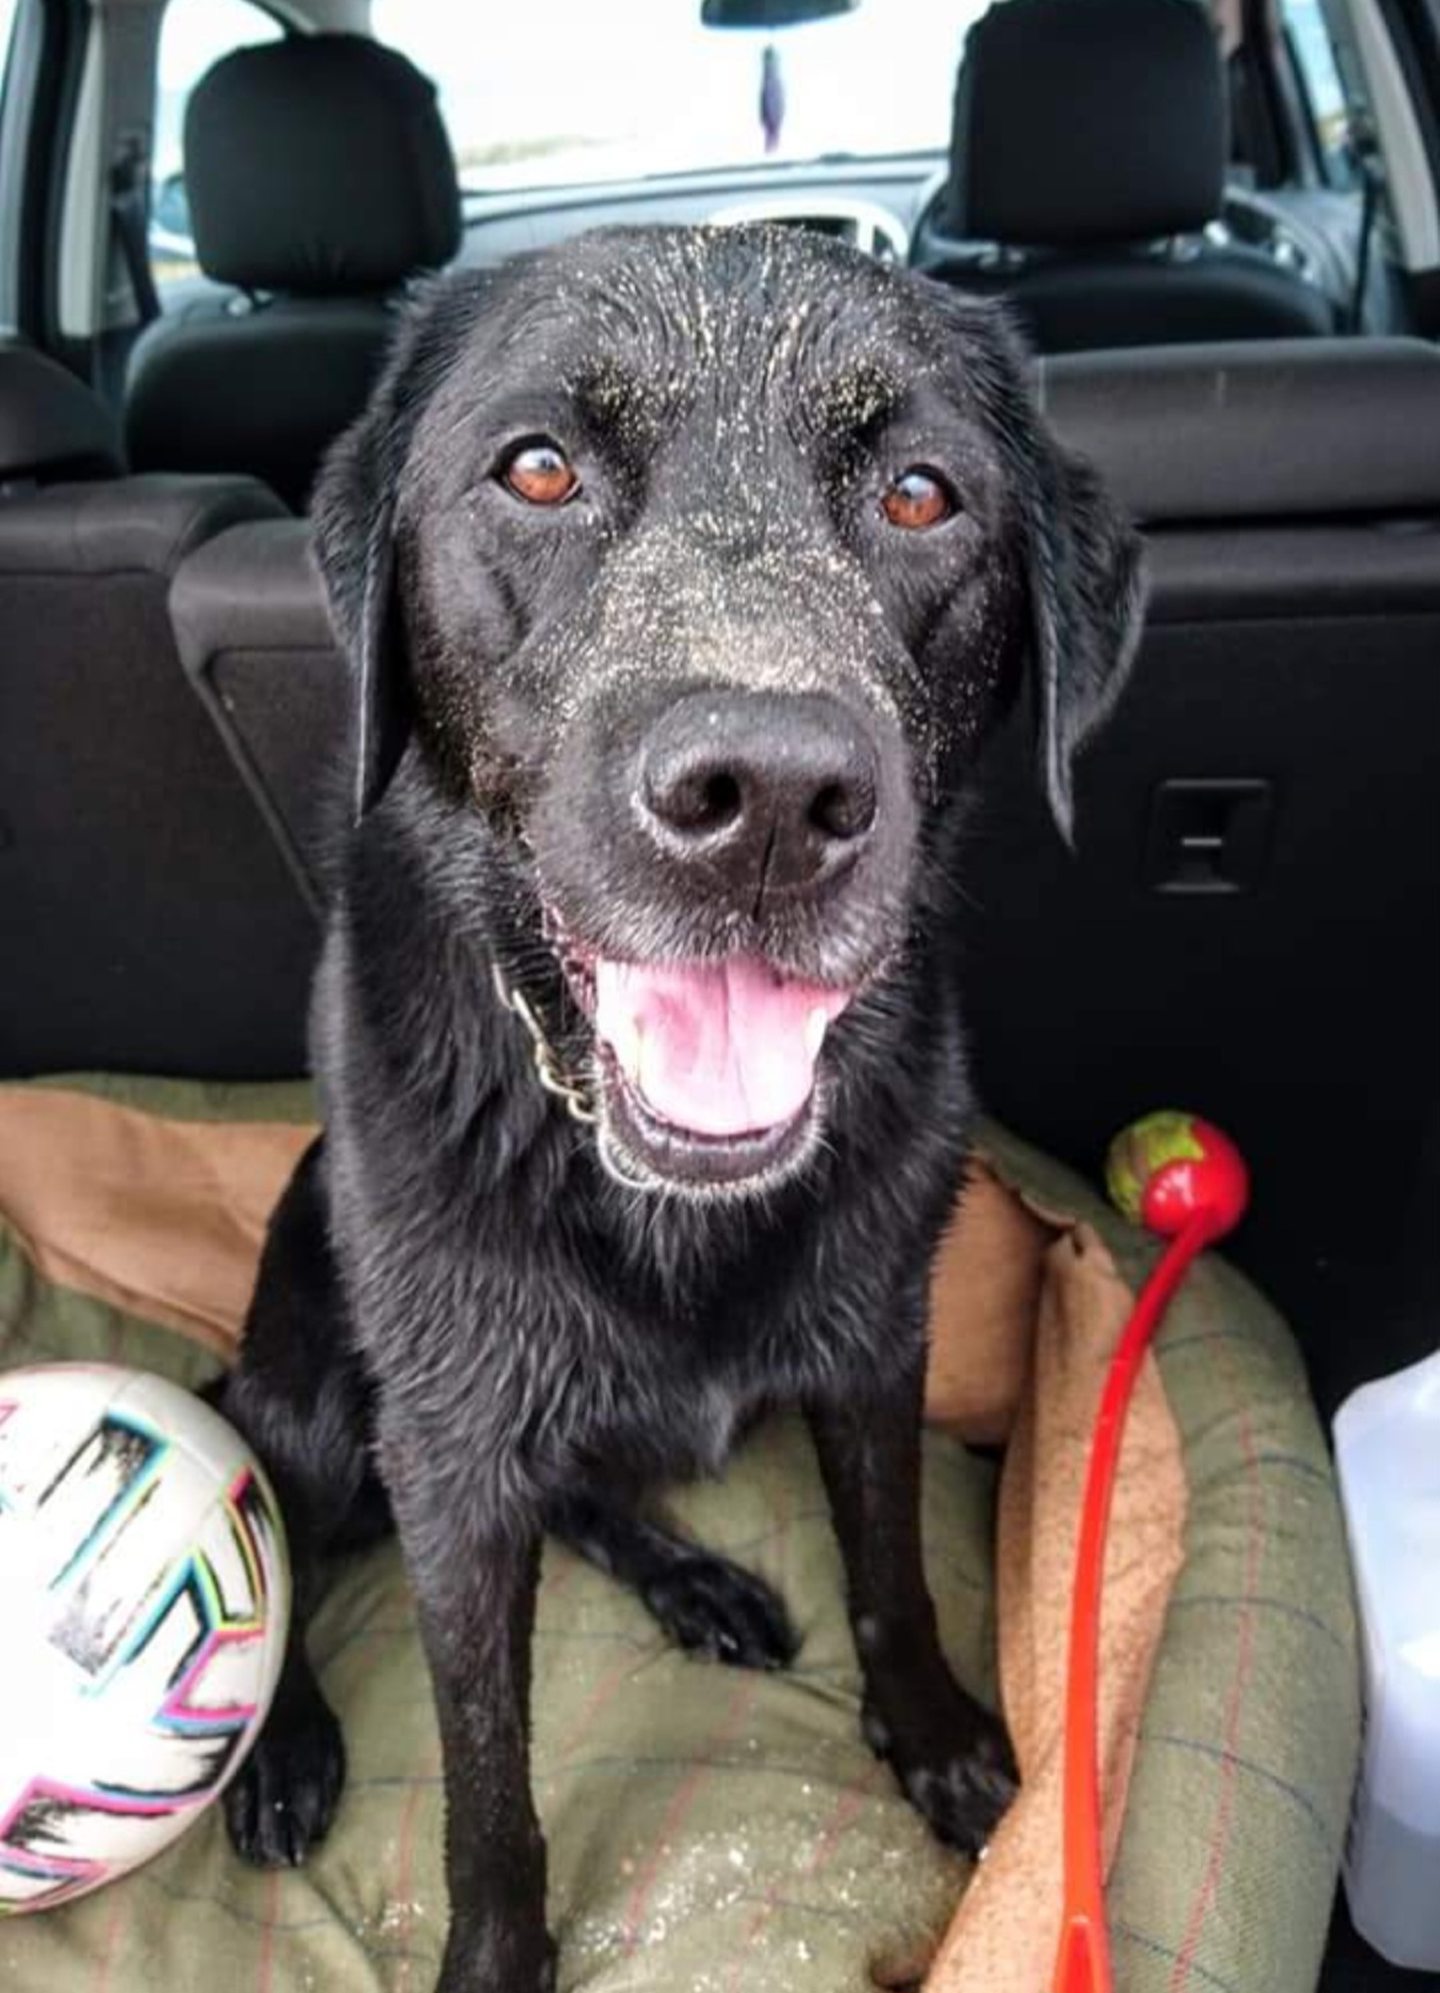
(627, 1042)
(816, 1025)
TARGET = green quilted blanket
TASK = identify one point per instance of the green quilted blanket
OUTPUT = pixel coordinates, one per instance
(713, 1831)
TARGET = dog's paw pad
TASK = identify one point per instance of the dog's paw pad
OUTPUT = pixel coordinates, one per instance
(283, 1799)
(712, 1607)
(964, 1798)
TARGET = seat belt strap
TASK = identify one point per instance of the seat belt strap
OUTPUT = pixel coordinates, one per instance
(129, 217)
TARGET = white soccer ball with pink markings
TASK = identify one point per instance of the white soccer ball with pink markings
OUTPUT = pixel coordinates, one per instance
(144, 1601)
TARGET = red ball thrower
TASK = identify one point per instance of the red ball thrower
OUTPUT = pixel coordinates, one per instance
(1187, 1182)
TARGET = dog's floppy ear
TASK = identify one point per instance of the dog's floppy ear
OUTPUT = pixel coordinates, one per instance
(354, 517)
(1081, 557)
(1086, 583)
(354, 513)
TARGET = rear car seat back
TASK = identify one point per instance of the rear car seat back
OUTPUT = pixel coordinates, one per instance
(1087, 176)
(147, 922)
(51, 428)
(1251, 924)
(320, 178)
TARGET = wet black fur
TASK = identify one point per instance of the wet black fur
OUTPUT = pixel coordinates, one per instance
(459, 1303)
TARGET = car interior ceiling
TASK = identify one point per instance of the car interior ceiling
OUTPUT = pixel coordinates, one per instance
(1247, 925)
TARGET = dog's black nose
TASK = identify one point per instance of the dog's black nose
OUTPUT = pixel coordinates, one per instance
(778, 789)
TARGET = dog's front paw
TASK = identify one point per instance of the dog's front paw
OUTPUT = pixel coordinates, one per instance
(961, 1782)
(281, 1802)
(710, 1606)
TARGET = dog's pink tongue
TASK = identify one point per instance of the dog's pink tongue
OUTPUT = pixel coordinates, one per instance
(721, 1048)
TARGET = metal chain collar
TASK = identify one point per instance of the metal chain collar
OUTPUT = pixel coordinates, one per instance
(573, 1094)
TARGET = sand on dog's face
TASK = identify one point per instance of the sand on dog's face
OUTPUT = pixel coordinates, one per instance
(735, 401)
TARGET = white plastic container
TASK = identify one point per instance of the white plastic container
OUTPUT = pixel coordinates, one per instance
(1387, 1448)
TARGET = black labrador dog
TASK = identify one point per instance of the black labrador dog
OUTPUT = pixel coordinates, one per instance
(683, 575)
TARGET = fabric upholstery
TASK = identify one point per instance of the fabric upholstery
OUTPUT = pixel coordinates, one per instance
(1088, 159)
(1104, 122)
(318, 166)
(1294, 429)
(51, 425)
(151, 525)
(320, 180)
(711, 1831)
(146, 918)
(1072, 301)
(255, 639)
(262, 387)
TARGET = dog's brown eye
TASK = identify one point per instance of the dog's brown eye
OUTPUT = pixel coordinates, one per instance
(917, 499)
(541, 474)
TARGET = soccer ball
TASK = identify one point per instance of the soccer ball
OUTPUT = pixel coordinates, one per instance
(144, 1601)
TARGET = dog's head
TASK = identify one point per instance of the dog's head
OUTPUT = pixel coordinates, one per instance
(699, 564)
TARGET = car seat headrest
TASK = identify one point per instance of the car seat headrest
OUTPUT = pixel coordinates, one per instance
(319, 165)
(1087, 121)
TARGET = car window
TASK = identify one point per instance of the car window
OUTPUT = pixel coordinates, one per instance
(1313, 55)
(7, 23)
(193, 35)
(8, 10)
(574, 90)
(9, 218)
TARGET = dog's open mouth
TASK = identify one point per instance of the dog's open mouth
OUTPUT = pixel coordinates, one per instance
(715, 1049)
(707, 1069)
